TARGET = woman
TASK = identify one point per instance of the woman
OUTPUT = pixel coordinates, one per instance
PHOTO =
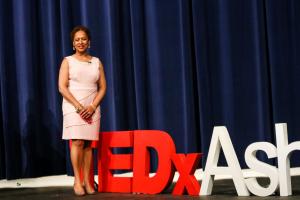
(82, 84)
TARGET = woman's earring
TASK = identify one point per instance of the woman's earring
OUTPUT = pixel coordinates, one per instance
(73, 48)
(89, 45)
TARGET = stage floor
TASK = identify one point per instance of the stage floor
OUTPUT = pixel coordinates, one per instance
(223, 189)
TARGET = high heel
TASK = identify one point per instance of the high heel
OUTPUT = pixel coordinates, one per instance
(90, 190)
(78, 190)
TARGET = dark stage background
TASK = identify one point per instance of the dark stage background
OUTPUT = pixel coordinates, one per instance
(182, 66)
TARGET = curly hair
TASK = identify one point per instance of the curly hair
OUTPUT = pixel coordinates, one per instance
(80, 28)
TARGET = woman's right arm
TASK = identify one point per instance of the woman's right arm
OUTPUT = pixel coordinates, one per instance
(63, 82)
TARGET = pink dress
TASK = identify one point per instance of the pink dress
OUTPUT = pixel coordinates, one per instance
(83, 84)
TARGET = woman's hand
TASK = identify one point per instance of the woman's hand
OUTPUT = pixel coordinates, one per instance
(87, 112)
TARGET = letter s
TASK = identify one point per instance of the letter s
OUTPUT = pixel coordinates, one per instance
(264, 168)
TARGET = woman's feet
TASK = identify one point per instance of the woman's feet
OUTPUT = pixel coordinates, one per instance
(78, 190)
(89, 189)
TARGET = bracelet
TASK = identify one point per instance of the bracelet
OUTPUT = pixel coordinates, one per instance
(78, 109)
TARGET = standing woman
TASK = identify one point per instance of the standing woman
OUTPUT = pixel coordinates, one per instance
(82, 84)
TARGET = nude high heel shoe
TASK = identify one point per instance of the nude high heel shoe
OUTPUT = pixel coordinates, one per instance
(78, 190)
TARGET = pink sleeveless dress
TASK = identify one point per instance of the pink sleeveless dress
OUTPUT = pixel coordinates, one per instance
(83, 84)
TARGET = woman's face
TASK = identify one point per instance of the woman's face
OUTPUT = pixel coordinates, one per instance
(81, 41)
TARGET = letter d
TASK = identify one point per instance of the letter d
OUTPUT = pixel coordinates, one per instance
(163, 144)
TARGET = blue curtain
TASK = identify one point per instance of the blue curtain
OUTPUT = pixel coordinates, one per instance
(182, 66)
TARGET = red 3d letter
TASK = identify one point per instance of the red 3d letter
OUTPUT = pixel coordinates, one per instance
(108, 161)
(186, 166)
(163, 144)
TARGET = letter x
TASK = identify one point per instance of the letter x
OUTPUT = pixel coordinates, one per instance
(186, 166)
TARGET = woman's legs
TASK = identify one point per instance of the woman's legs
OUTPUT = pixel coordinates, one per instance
(87, 161)
(77, 154)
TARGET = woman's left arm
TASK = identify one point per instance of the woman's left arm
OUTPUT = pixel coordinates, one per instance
(100, 94)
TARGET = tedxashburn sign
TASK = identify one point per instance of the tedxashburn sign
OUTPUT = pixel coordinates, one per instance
(139, 163)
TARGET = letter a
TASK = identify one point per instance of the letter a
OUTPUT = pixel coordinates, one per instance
(220, 138)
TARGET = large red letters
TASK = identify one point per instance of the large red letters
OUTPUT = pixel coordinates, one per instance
(139, 162)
